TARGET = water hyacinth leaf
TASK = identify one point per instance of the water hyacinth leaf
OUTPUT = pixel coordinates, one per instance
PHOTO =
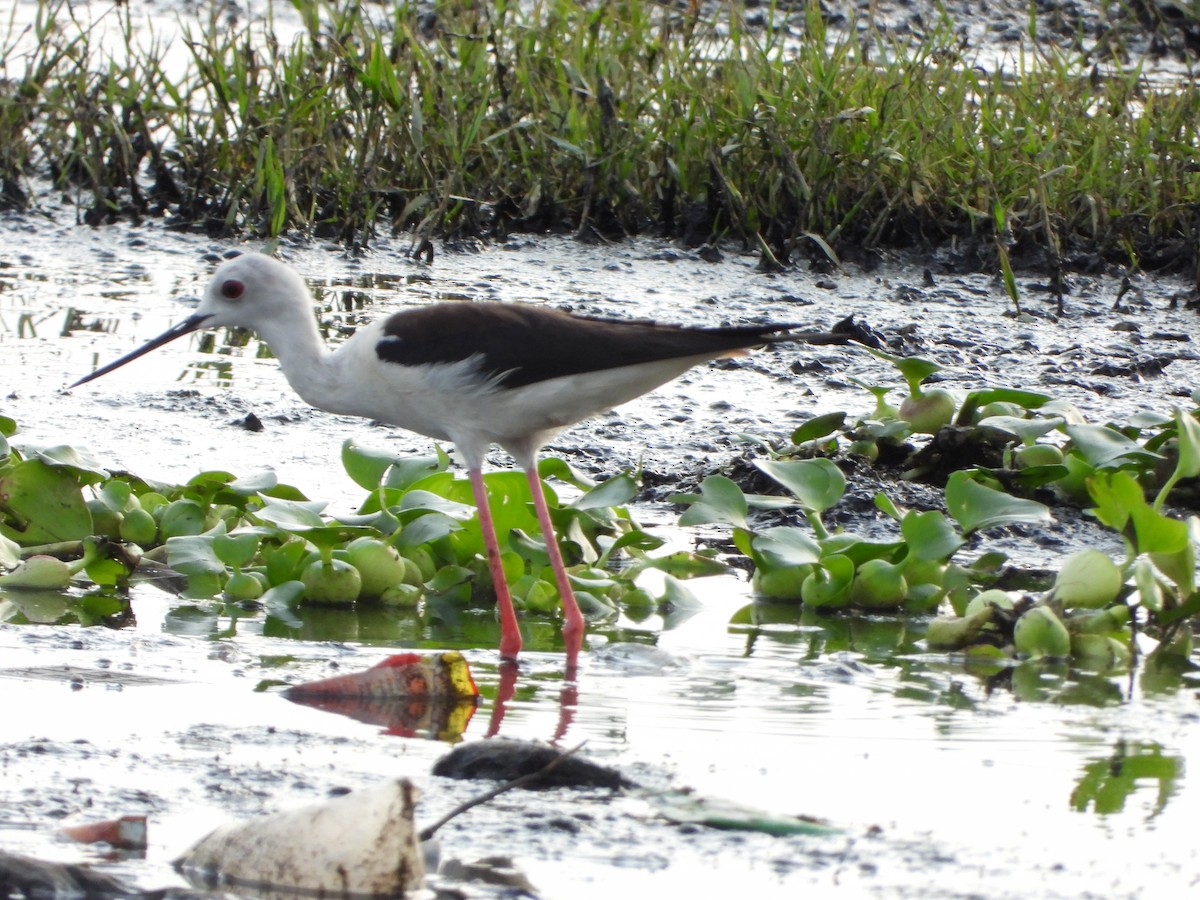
(427, 501)
(930, 535)
(106, 562)
(769, 501)
(1187, 609)
(329, 536)
(264, 480)
(1088, 579)
(1105, 448)
(114, 494)
(38, 573)
(236, 550)
(86, 466)
(182, 517)
(41, 504)
(449, 577)
(1027, 399)
(283, 596)
(510, 501)
(531, 548)
(194, 554)
(1187, 432)
(888, 507)
(635, 539)
(616, 491)
(744, 541)
(1179, 566)
(291, 515)
(817, 483)
(819, 427)
(1027, 430)
(556, 467)
(285, 562)
(914, 369)
(1189, 444)
(1116, 495)
(1157, 533)
(829, 582)
(784, 546)
(859, 549)
(975, 506)
(380, 520)
(427, 528)
(976, 399)
(720, 500)
(594, 580)
(212, 480)
(285, 492)
(366, 466)
(1149, 591)
(407, 471)
(1039, 476)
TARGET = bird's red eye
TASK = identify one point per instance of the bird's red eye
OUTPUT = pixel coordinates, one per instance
(232, 289)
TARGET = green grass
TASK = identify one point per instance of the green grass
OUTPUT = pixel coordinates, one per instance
(609, 118)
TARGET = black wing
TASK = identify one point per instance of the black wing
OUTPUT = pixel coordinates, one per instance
(519, 344)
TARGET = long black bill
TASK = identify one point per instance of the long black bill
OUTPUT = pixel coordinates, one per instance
(187, 326)
(844, 332)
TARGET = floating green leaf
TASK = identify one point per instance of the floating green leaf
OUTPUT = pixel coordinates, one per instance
(291, 515)
(618, 490)
(719, 500)
(817, 483)
(1106, 448)
(41, 504)
(556, 467)
(86, 466)
(1026, 430)
(784, 546)
(930, 535)
(236, 550)
(819, 427)
(975, 506)
(194, 554)
(1187, 431)
(264, 481)
(365, 465)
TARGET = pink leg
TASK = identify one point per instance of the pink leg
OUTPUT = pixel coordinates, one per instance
(572, 617)
(510, 635)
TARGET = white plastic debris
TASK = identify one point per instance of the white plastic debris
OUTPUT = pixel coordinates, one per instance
(361, 844)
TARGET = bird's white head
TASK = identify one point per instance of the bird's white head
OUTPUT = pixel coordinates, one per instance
(251, 291)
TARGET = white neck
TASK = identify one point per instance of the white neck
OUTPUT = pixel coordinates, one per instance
(309, 367)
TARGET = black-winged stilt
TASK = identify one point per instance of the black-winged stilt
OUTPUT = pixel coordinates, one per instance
(475, 374)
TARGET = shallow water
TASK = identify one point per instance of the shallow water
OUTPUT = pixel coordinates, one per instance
(944, 784)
